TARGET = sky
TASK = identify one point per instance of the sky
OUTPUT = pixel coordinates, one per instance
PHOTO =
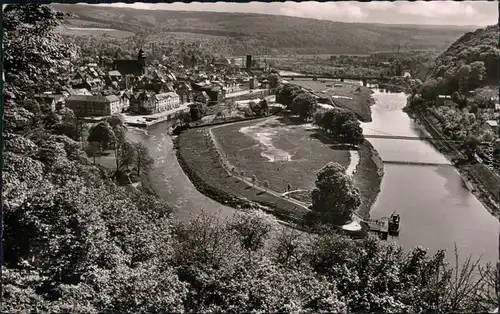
(479, 13)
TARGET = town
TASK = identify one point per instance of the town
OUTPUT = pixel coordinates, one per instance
(161, 160)
(145, 91)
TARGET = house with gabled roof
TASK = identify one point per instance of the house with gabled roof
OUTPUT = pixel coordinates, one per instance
(201, 97)
(115, 76)
(185, 92)
(54, 101)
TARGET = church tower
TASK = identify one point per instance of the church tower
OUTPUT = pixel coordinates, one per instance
(141, 57)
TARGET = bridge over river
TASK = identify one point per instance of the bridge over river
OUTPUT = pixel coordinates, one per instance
(414, 138)
(416, 163)
(341, 78)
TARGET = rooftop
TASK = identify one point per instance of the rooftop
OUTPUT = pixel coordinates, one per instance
(114, 73)
(166, 95)
(94, 98)
(493, 123)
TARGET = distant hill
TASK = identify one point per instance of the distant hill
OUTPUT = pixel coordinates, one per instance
(269, 34)
(480, 45)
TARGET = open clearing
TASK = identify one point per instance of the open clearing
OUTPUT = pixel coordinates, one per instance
(278, 152)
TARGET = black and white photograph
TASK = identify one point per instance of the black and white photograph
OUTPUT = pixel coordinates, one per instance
(250, 157)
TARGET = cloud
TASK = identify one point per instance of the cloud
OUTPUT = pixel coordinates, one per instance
(380, 5)
(437, 9)
(324, 10)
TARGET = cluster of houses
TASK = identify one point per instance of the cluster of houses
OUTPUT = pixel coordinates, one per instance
(143, 88)
(493, 112)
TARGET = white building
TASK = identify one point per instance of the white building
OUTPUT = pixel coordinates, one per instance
(167, 101)
(493, 124)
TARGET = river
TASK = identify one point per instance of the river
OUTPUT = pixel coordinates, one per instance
(169, 180)
(436, 208)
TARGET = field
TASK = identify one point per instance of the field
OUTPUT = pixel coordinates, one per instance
(196, 35)
(92, 31)
(359, 103)
(255, 153)
(199, 159)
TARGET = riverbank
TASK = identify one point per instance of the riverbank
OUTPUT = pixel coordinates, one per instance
(478, 179)
(368, 177)
(370, 169)
(145, 121)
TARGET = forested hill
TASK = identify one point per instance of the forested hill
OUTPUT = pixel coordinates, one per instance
(470, 49)
(268, 34)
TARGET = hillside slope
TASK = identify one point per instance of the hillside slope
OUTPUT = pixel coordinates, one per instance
(268, 34)
(480, 45)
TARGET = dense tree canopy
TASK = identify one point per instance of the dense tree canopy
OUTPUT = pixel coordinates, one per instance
(304, 105)
(341, 124)
(335, 196)
(287, 93)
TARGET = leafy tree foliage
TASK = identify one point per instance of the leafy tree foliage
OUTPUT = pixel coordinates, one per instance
(143, 161)
(471, 145)
(477, 74)
(304, 105)
(341, 124)
(196, 111)
(128, 155)
(94, 149)
(286, 94)
(103, 133)
(34, 56)
(335, 197)
(466, 65)
(252, 230)
(274, 80)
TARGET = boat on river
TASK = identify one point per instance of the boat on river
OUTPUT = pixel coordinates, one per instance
(384, 226)
(394, 224)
